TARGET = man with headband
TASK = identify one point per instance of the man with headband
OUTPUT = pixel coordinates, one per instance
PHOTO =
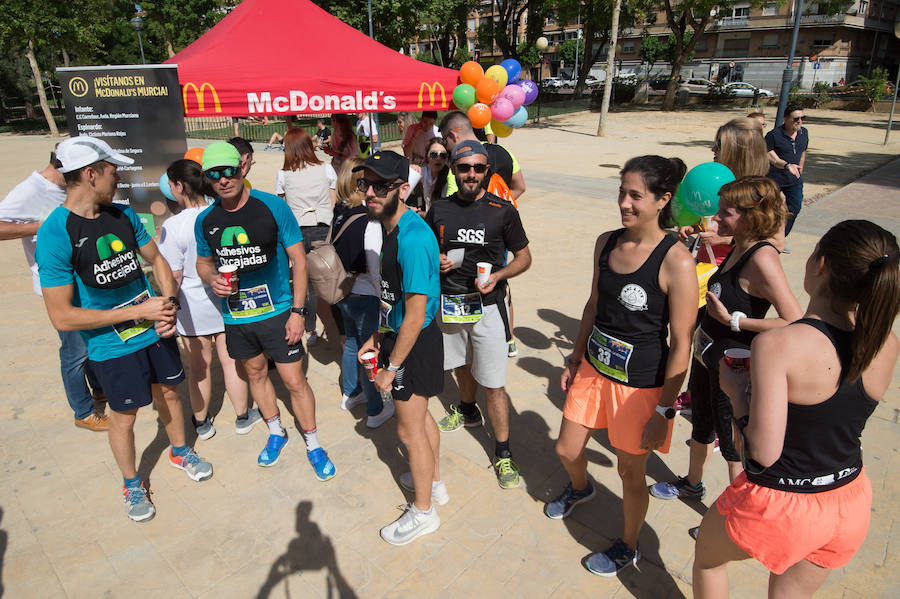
(475, 229)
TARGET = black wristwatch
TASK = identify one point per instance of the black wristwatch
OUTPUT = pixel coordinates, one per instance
(301, 311)
(667, 412)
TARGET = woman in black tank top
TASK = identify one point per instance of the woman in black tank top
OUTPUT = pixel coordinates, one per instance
(802, 506)
(749, 281)
(622, 374)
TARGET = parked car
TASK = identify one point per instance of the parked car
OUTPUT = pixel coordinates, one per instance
(696, 86)
(742, 89)
(551, 83)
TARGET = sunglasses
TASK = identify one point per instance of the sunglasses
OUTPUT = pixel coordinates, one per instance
(465, 168)
(381, 188)
(797, 119)
(441, 155)
(229, 172)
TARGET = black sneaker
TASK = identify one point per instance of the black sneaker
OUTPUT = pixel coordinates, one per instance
(613, 560)
(562, 506)
(457, 419)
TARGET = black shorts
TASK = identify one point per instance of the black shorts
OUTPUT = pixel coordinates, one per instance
(422, 373)
(245, 341)
(127, 380)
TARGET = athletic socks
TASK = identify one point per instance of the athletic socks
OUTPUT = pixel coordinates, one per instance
(312, 439)
(501, 449)
(132, 482)
(468, 409)
(275, 427)
(180, 451)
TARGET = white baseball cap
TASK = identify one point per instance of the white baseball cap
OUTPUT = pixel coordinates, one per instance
(78, 152)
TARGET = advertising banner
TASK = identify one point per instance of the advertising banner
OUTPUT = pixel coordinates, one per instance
(137, 110)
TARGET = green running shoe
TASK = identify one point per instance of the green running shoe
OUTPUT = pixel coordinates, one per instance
(507, 473)
(455, 420)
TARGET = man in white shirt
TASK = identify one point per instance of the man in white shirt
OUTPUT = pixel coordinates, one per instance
(21, 213)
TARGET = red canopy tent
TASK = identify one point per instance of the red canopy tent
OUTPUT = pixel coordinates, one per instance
(281, 57)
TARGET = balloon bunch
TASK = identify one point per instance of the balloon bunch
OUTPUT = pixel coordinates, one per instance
(698, 194)
(496, 96)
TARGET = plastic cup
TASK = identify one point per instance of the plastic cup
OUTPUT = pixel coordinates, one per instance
(227, 271)
(737, 358)
(370, 361)
(484, 272)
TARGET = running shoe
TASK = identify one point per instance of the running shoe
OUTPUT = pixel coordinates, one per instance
(386, 413)
(411, 525)
(204, 428)
(137, 503)
(562, 506)
(348, 402)
(321, 464)
(311, 338)
(193, 465)
(242, 426)
(455, 420)
(439, 494)
(507, 473)
(512, 351)
(613, 560)
(679, 488)
(270, 453)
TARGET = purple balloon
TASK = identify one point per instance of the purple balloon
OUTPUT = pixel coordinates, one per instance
(502, 109)
(515, 94)
(531, 90)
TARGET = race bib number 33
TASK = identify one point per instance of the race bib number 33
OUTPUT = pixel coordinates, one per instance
(608, 355)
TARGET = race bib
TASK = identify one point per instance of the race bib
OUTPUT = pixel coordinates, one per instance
(608, 355)
(132, 328)
(250, 301)
(383, 314)
(701, 343)
(461, 308)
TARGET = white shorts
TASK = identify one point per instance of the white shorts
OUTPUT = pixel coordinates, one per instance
(481, 344)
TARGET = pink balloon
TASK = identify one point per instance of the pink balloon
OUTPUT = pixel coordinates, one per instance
(502, 109)
(514, 94)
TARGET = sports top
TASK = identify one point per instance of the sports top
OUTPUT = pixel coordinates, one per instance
(821, 441)
(628, 343)
(485, 229)
(253, 238)
(410, 263)
(99, 256)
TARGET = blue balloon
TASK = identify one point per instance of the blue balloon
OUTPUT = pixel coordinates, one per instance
(165, 189)
(700, 188)
(518, 119)
(513, 69)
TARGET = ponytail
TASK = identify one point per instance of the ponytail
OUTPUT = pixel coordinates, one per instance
(661, 176)
(191, 176)
(863, 263)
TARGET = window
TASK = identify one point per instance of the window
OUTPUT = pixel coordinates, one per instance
(471, 24)
(739, 47)
(823, 43)
(863, 7)
(770, 10)
(471, 46)
(628, 48)
(770, 40)
(741, 12)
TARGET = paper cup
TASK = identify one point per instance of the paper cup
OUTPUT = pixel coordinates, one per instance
(737, 358)
(370, 361)
(227, 271)
(484, 271)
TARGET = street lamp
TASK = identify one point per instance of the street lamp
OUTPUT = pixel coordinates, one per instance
(137, 22)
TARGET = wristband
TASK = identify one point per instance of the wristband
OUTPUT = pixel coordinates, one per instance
(300, 311)
(391, 367)
(736, 320)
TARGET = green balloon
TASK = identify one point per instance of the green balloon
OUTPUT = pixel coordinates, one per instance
(700, 188)
(464, 96)
(680, 214)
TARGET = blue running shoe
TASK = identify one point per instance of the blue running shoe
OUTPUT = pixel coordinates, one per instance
(321, 464)
(269, 455)
(612, 561)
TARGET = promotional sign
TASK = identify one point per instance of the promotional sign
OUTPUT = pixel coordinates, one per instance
(137, 110)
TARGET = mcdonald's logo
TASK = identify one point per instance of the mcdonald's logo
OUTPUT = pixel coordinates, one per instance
(78, 86)
(431, 89)
(200, 96)
(108, 245)
(232, 234)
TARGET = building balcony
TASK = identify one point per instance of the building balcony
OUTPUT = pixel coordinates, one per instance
(729, 23)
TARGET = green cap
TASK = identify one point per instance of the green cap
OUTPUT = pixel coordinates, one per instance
(220, 153)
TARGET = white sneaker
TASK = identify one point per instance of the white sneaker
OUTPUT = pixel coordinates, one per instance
(411, 525)
(242, 427)
(439, 494)
(387, 412)
(348, 403)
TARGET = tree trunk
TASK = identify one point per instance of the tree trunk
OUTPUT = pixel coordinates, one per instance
(674, 76)
(36, 73)
(65, 56)
(610, 67)
(169, 49)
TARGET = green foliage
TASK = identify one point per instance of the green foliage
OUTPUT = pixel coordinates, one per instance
(718, 94)
(529, 55)
(395, 22)
(426, 57)
(874, 88)
(567, 50)
(460, 56)
(821, 93)
(651, 51)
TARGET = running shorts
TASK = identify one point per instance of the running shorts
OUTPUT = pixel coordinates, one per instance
(481, 344)
(422, 372)
(127, 380)
(245, 341)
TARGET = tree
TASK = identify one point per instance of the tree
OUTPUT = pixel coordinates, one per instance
(874, 88)
(446, 21)
(651, 51)
(686, 30)
(178, 23)
(568, 50)
(395, 22)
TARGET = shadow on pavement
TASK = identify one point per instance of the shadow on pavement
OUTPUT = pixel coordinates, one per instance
(4, 539)
(310, 550)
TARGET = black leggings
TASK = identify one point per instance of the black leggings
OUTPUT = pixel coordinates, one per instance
(711, 412)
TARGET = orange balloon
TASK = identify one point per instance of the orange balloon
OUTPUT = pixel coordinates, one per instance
(480, 115)
(195, 154)
(486, 90)
(471, 73)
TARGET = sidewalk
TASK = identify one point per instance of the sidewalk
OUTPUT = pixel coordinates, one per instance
(254, 532)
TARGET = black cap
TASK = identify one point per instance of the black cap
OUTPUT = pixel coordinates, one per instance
(429, 114)
(387, 165)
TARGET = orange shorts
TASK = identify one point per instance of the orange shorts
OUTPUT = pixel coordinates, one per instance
(824, 528)
(595, 401)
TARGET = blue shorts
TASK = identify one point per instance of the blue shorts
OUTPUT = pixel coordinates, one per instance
(127, 380)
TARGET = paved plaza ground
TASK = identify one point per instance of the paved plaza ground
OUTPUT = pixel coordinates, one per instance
(254, 532)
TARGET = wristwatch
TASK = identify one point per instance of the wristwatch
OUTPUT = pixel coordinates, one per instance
(667, 412)
(736, 321)
(391, 367)
(301, 311)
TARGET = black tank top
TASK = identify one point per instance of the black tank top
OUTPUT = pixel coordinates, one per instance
(821, 441)
(628, 343)
(727, 288)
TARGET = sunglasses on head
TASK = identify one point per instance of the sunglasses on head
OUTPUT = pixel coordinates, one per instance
(381, 188)
(465, 168)
(228, 172)
(441, 155)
